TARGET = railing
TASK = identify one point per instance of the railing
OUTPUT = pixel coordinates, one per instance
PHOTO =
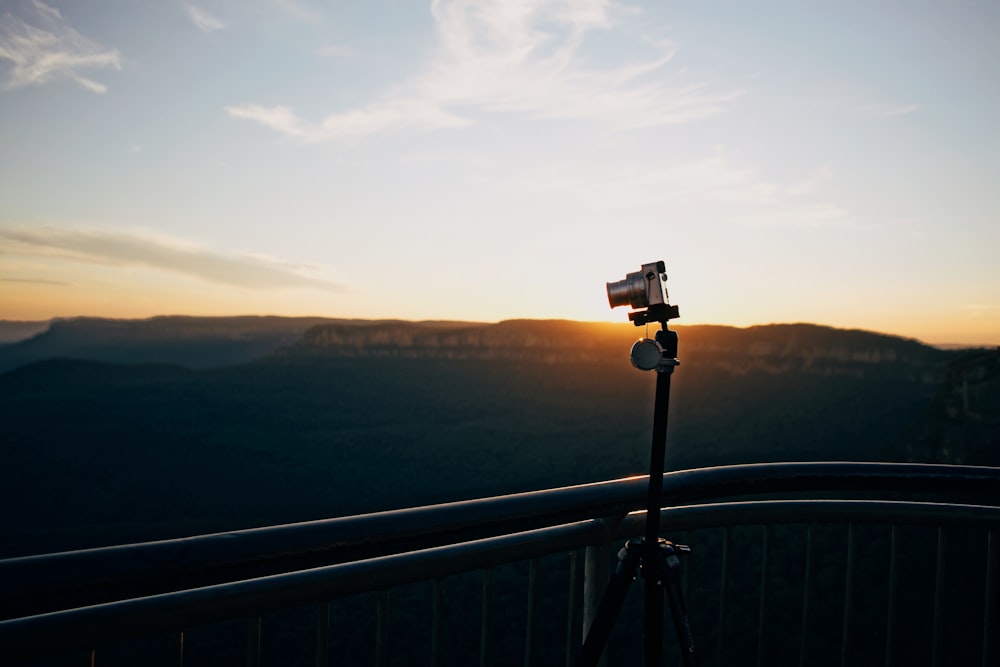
(782, 573)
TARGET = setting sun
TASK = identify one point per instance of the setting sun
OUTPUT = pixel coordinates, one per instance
(490, 161)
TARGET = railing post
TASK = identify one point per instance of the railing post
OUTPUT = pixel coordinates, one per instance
(806, 582)
(529, 621)
(323, 635)
(572, 640)
(991, 599)
(437, 621)
(486, 618)
(178, 648)
(890, 616)
(765, 557)
(382, 629)
(939, 593)
(845, 636)
(727, 535)
(596, 572)
(253, 641)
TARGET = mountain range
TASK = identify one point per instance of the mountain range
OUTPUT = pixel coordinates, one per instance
(123, 430)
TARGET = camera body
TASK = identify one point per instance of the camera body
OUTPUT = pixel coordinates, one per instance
(641, 289)
(647, 289)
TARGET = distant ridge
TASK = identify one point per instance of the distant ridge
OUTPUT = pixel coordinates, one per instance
(538, 340)
(13, 331)
(195, 342)
(211, 342)
(208, 424)
(770, 348)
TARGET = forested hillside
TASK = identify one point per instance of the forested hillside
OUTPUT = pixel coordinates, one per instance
(354, 417)
(197, 342)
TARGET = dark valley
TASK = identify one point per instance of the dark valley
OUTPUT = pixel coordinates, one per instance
(119, 431)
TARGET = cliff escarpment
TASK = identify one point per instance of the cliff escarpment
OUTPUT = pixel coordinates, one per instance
(771, 349)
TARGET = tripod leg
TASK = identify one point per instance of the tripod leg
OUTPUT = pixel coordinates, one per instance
(611, 604)
(678, 610)
(653, 616)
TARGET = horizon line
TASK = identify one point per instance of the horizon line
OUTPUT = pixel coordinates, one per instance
(942, 344)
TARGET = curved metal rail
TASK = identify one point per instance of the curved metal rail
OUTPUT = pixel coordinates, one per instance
(166, 586)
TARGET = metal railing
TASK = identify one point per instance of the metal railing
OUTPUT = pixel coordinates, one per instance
(84, 601)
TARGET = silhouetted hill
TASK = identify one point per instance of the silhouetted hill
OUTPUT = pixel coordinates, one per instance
(359, 416)
(13, 331)
(197, 342)
(770, 348)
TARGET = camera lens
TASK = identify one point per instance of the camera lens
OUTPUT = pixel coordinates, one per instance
(628, 292)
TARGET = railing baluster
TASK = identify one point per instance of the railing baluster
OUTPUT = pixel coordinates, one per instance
(762, 615)
(571, 642)
(437, 616)
(382, 629)
(938, 599)
(848, 596)
(806, 583)
(529, 630)
(723, 578)
(991, 599)
(484, 630)
(253, 641)
(595, 580)
(323, 635)
(179, 649)
(890, 615)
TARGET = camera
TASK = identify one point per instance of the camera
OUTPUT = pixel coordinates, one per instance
(640, 289)
(646, 288)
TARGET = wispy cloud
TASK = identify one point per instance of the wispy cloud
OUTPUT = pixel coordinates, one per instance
(297, 10)
(43, 48)
(120, 248)
(524, 57)
(899, 111)
(393, 114)
(202, 19)
(715, 187)
(35, 281)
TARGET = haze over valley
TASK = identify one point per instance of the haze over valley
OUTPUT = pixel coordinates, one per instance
(132, 430)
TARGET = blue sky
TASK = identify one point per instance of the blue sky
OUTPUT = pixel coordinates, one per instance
(831, 162)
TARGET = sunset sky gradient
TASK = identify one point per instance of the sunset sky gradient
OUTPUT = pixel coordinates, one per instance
(828, 162)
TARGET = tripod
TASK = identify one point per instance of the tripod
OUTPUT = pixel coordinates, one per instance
(656, 559)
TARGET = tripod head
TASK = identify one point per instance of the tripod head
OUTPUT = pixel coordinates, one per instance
(646, 290)
(660, 312)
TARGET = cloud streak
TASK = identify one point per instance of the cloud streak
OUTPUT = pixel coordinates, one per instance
(714, 187)
(118, 248)
(43, 48)
(202, 19)
(35, 281)
(899, 111)
(525, 58)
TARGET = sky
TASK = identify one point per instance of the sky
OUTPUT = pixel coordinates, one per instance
(827, 162)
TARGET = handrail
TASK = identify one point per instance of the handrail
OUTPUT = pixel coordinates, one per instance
(715, 515)
(91, 626)
(35, 584)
